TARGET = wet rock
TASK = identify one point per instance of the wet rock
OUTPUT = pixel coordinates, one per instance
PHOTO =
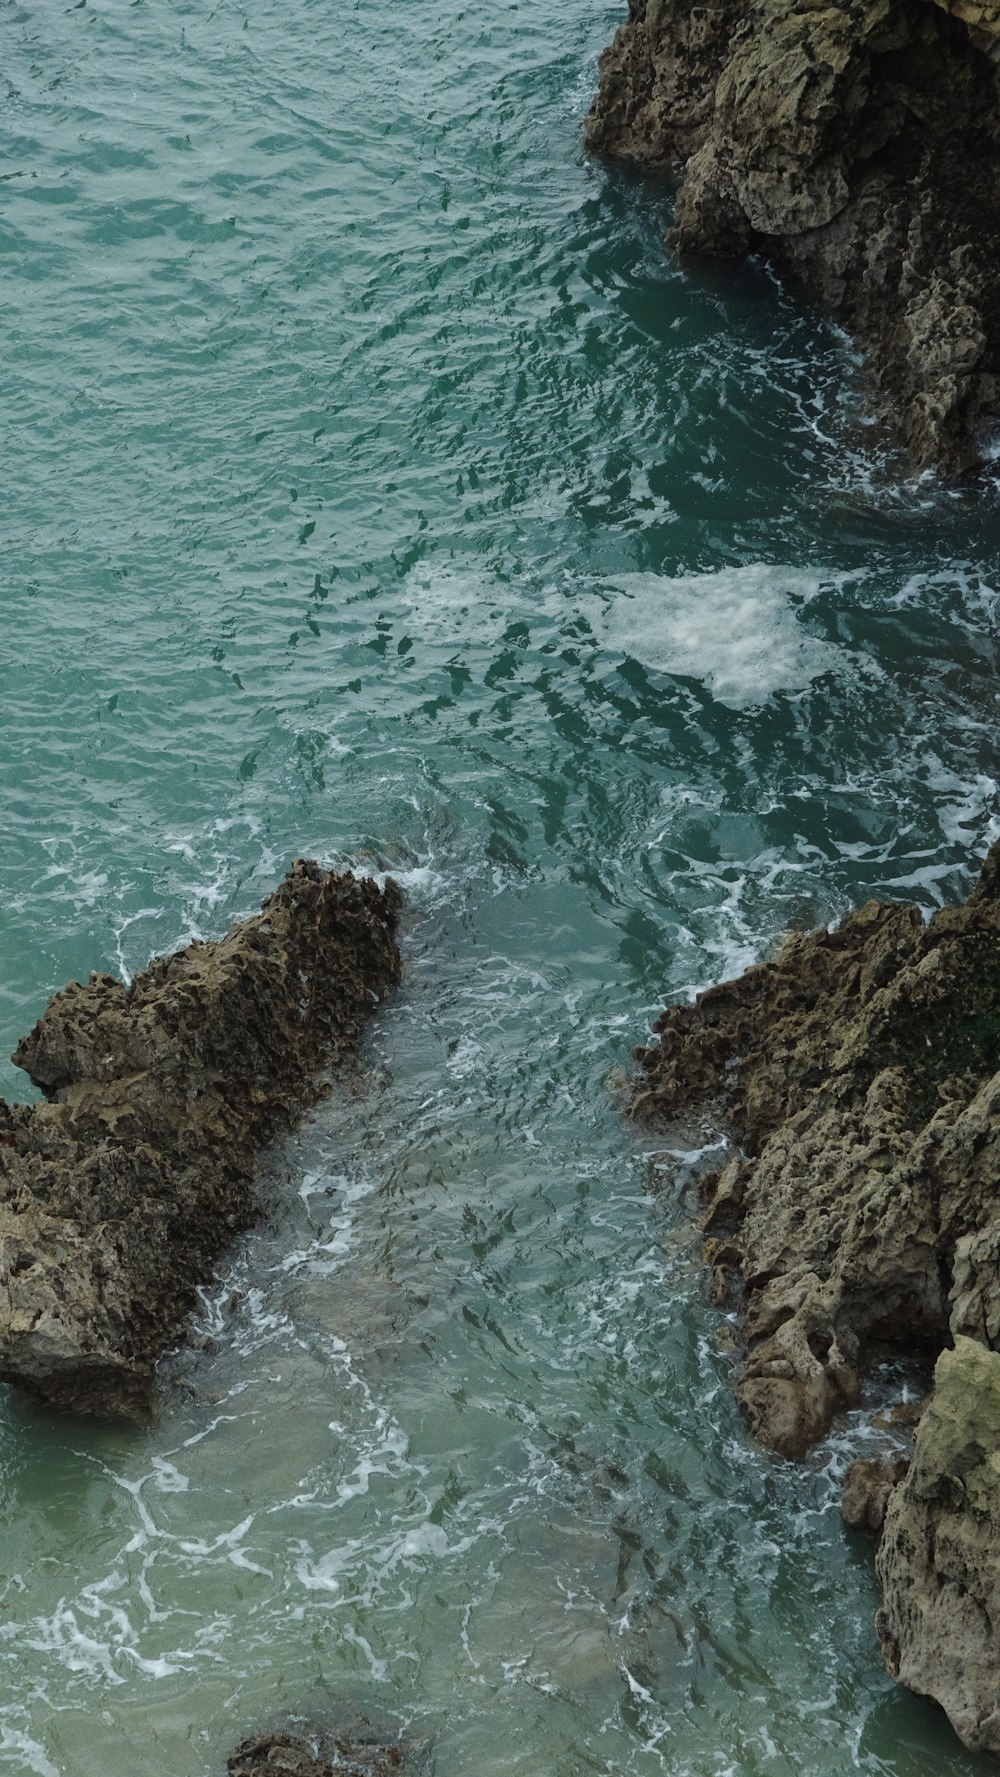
(865, 1496)
(365, 1754)
(858, 146)
(858, 1071)
(939, 1559)
(118, 1195)
(276, 1755)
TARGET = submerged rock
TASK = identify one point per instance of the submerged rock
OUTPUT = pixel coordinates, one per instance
(858, 1071)
(277, 1755)
(939, 1559)
(365, 1753)
(118, 1195)
(857, 145)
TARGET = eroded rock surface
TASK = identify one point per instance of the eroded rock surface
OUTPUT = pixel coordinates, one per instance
(858, 1073)
(857, 144)
(867, 1489)
(939, 1559)
(118, 1194)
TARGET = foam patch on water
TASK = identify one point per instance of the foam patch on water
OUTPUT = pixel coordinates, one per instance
(20, 1750)
(739, 630)
(456, 607)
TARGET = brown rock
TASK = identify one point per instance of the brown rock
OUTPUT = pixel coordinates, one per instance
(939, 1559)
(364, 1753)
(857, 145)
(119, 1194)
(858, 1071)
(865, 1496)
(276, 1755)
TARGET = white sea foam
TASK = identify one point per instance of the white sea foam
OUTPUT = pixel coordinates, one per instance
(738, 630)
(322, 1257)
(380, 1460)
(457, 606)
(422, 885)
(168, 1479)
(379, 1668)
(17, 1748)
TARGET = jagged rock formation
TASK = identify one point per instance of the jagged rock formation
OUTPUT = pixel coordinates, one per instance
(857, 144)
(858, 1071)
(118, 1194)
(939, 1558)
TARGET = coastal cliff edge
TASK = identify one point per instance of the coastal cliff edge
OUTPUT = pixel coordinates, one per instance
(857, 146)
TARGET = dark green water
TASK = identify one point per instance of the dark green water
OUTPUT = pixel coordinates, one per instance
(375, 488)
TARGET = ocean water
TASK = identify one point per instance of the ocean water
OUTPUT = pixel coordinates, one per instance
(376, 488)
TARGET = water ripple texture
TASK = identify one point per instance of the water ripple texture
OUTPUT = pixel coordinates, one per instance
(376, 487)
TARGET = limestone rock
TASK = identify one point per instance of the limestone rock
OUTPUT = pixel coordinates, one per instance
(857, 144)
(939, 1559)
(867, 1488)
(858, 1072)
(119, 1193)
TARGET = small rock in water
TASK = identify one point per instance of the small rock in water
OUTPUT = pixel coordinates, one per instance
(365, 1754)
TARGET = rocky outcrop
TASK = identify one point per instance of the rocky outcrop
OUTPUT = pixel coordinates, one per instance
(858, 1073)
(939, 1558)
(856, 144)
(118, 1194)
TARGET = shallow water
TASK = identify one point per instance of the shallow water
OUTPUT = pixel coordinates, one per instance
(377, 489)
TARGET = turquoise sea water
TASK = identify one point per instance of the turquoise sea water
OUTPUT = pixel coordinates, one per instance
(376, 488)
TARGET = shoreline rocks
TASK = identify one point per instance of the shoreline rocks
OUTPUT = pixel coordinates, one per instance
(857, 146)
(119, 1192)
(858, 1073)
(939, 1557)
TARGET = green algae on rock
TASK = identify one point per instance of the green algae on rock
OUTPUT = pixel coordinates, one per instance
(858, 146)
(119, 1193)
(939, 1558)
(858, 1071)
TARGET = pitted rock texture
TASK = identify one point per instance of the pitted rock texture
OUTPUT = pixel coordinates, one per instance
(857, 145)
(939, 1558)
(118, 1195)
(858, 1073)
